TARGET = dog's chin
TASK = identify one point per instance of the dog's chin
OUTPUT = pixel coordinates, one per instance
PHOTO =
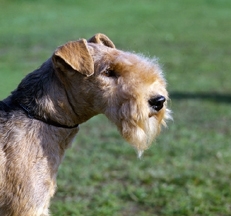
(140, 136)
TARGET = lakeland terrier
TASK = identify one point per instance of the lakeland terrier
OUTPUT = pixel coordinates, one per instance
(39, 120)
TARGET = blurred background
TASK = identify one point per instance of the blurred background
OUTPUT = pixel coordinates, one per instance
(187, 170)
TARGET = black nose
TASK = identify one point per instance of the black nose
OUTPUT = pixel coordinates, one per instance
(157, 103)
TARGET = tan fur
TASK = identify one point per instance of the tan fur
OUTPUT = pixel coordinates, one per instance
(80, 80)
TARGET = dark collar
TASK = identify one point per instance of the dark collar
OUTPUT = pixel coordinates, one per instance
(47, 121)
(34, 116)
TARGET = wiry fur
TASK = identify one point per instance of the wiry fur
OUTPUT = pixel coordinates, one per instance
(68, 89)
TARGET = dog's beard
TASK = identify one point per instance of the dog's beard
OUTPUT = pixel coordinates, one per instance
(135, 125)
(140, 134)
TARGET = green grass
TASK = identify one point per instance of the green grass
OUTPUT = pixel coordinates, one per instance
(187, 171)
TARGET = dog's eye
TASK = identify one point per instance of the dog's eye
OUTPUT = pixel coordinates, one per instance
(109, 73)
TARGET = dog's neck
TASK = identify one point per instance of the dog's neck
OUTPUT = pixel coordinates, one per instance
(10, 106)
(46, 121)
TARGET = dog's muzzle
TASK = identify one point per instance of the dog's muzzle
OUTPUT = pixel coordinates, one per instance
(157, 103)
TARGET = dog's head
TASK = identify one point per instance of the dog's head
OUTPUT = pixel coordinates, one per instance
(128, 88)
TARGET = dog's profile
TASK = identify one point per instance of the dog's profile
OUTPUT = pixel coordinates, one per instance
(39, 120)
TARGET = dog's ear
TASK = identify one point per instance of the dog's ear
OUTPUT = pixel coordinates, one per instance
(101, 39)
(74, 54)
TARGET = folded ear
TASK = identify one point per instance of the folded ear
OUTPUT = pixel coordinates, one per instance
(101, 39)
(74, 54)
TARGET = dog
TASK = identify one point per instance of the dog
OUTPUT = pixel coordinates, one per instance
(39, 120)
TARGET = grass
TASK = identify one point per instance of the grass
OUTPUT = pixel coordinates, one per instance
(187, 171)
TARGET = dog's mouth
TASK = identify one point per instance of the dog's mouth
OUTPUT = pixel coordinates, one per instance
(139, 124)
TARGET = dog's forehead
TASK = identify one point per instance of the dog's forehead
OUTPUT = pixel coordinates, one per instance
(126, 64)
(137, 65)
